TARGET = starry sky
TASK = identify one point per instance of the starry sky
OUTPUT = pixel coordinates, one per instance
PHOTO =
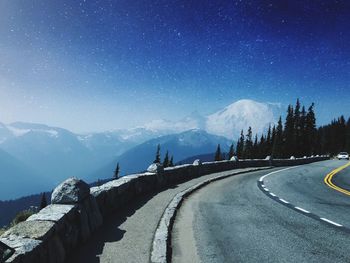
(97, 65)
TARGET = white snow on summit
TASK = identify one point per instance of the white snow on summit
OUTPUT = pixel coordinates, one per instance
(240, 115)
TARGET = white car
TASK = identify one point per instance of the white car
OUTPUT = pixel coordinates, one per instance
(343, 155)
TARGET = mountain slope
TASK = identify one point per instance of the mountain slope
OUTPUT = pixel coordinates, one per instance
(17, 179)
(180, 145)
(58, 153)
(240, 115)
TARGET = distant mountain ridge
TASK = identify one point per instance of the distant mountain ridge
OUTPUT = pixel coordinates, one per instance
(180, 146)
(227, 122)
(55, 153)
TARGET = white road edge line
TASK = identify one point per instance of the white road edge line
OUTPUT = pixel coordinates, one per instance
(272, 194)
(284, 201)
(301, 209)
(331, 222)
(263, 177)
(266, 189)
(263, 185)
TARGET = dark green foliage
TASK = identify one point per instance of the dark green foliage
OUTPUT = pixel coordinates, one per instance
(231, 152)
(171, 162)
(248, 144)
(43, 201)
(116, 172)
(166, 160)
(310, 131)
(218, 154)
(22, 216)
(157, 159)
(240, 146)
(333, 138)
(277, 149)
(298, 137)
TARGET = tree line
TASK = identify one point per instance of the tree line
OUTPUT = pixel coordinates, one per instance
(298, 136)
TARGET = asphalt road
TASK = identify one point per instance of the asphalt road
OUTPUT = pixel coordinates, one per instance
(127, 235)
(291, 216)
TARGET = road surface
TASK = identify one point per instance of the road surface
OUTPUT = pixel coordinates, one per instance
(127, 235)
(287, 216)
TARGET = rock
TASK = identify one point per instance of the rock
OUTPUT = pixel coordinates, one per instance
(155, 168)
(93, 213)
(71, 191)
(56, 251)
(234, 158)
(197, 162)
(41, 230)
(84, 225)
(53, 213)
(21, 245)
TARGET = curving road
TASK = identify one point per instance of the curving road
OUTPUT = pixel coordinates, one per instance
(290, 215)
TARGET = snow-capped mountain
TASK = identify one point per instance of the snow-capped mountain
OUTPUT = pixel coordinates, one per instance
(240, 115)
(227, 122)
(180, 146)
(57, 153)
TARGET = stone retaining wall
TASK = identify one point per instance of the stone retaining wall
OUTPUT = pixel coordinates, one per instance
(77, 210)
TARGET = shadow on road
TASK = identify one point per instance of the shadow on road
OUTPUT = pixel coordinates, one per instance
(109, 232)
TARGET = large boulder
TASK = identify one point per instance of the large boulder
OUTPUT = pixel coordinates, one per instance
(234, 158)
(197, 162)
(155, 168)
(71, 191)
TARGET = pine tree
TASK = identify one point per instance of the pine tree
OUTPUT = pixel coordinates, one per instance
(231, 152)
(255, 147)
(268, 143)
(43, 201)
(347, 140)
(166, 160)
(248, 145)
(277, 150)
(261, 148)
(218, 155)
(289, 133)
(297, 129)
(240, 146)
(116, 171)
(302, 135)
(310, 131)
(171, 162)
(157, 159)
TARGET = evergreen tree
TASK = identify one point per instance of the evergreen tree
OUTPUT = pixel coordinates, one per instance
(289, 133)
(166, 160)
(116, 171)
(248, 145)
(261, 148)
(231, 152)
(218, 155)
(240, 146)
(277, 150)
(255, 148)
(303, 139)
(171, 162)
(157, 159)
(268, 143)
(310, 131)
(43, 201)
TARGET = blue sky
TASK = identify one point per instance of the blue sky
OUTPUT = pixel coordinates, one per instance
(97, 65)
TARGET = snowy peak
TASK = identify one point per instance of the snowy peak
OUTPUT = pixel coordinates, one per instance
(240, 115)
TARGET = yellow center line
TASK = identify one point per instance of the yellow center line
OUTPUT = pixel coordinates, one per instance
(328, 179)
